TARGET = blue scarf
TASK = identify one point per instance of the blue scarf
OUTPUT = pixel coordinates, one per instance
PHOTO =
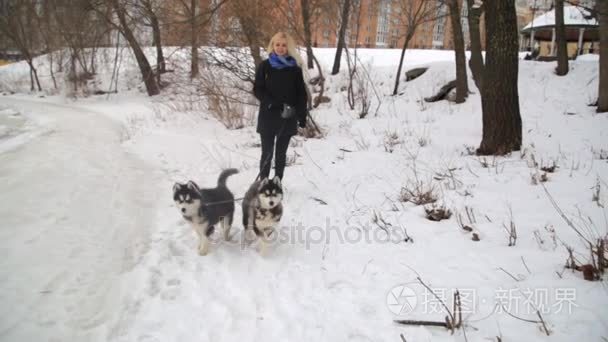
(280, 62)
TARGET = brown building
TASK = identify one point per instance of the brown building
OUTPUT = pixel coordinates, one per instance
(383, 24)
(372, 23)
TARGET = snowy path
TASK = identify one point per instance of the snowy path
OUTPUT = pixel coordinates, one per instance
(93, 248)
(76, 211)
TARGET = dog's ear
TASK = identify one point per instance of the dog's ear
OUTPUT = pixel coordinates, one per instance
(192, 186)
(263, 183)
(277, 181)
(176, 187)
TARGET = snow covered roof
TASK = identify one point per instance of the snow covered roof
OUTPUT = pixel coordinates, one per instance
(573, 16)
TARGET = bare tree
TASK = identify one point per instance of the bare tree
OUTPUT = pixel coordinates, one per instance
(300, 21)
(194, 70)
(413, 14)
(82, 27)
(358, 84)
(341, 41)
(560, 34)
(602, 11)
(188, 13)
(18, 27)
(193, 20)
(305, 4)
(502, 127)
(149, 11)
(476, 61)
(144, 66)
(462, 88)
(254, 29)
(48, 35)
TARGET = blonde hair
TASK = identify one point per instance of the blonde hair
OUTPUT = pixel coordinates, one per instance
(291, 46)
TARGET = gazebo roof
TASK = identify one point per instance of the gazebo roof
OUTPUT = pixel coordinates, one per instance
(573, 17)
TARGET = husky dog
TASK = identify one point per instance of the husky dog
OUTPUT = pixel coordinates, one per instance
(262, 209)
(205, 208)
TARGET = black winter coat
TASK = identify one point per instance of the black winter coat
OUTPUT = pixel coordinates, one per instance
(274, 87)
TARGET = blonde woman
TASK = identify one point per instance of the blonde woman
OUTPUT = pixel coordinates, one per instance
(279, 86)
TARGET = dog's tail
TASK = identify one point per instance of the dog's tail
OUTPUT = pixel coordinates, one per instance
(221, 180)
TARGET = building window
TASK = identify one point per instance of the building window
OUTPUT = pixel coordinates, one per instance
(439, 31)
(384, 15)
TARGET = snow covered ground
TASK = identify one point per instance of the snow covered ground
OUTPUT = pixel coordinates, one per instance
(95, 249)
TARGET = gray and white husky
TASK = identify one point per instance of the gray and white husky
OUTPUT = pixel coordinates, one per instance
(205, 208)
(262, 209)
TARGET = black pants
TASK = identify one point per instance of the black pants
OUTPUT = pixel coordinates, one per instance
(268, 142)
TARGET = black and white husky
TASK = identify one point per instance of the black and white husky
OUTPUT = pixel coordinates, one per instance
(205, 208)
(262, 209)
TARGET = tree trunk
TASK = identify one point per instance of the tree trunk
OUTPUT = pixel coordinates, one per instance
(93, 54)
(307, 34)
(502, 128)
(398, 76)
(476, 61)
(602, 103)
(160, 58)
(31, 79)
(60, 60)
(462, 88)
(562, 45)
(194, 41)
(73, 71)
(341, 41)
(255, 52)
(146, 71)
(51, 69)
(33, 74)
(36, 77)
(46, 32)
(252, 35)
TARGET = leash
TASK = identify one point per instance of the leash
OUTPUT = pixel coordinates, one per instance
(266, 162)
(220, 202)
(256, 178)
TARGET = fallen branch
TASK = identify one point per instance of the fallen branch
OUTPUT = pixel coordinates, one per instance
(443, 92)
(524, 262)
(426, 323)
(319, 200)
(510, 275)
(529, 320)
(543, 322)
(449, 320)
(561, 213)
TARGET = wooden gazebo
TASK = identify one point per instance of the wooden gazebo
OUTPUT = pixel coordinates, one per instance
(580, 28)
